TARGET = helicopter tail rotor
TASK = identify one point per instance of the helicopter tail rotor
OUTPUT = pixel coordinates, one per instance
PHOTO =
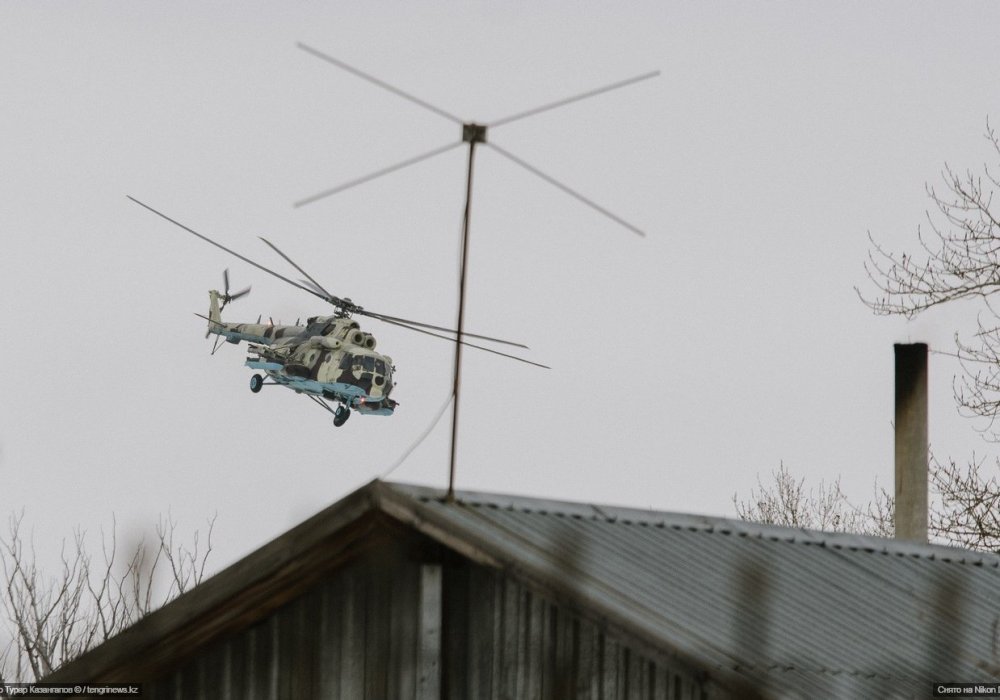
(226, 296)
(217, 302)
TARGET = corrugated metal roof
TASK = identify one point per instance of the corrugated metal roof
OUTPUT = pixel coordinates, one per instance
(802, 613)
(789, 612)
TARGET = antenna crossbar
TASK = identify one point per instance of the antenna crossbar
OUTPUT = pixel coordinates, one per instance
(375, 81)
(378, 173)
(572, 193)
(574, 98)
(472, 133)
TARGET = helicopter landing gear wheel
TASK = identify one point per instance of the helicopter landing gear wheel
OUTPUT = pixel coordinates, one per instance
(256, 382)
(341, 415)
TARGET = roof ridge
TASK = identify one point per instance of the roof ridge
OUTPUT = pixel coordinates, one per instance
(710, 524)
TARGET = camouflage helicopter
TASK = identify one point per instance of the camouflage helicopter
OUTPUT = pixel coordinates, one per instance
(330, 358)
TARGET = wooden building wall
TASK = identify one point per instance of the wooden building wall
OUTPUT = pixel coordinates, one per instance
(388, 627)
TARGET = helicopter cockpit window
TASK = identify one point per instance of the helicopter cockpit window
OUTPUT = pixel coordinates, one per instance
(369, 363)
(358, 363)
(345, 361)
(380, 367)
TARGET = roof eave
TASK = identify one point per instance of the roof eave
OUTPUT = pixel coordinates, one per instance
(211, 602)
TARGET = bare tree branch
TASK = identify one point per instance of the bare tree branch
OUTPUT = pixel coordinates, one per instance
(52, 619)
(959, 258)
(967, 514)
(960, 255)
(787, 502)
(964, 508)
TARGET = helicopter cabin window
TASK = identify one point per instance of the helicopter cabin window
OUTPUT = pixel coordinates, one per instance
(358, 363)
(362, 363)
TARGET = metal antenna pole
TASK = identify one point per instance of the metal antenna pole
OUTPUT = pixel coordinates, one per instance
(471, 134)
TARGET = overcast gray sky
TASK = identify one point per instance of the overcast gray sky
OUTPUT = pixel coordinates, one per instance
(684, 364)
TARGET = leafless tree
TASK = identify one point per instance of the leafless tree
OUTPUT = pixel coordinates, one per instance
(964, 512)
(959, 258)
(964, 506)
(53, 618)
(786, 501)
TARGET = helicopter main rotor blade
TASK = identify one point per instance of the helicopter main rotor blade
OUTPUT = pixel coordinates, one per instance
(310, 284)
(574, 98)
(336, 301)
(572, 193)
(309, 277)
(390, 319)
(231, 252)
(387, 319)
(462, 342)
(381, 317)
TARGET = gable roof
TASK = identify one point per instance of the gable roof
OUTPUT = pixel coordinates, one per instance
(789, 611)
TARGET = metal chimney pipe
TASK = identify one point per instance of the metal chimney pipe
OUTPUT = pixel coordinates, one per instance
(911, 442)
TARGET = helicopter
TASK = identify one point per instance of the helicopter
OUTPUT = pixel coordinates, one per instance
(330, 359)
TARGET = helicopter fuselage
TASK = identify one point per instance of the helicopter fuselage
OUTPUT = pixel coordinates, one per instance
(330, 358)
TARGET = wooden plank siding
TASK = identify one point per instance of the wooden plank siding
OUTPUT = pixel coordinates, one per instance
(395, 627)
(509, 642)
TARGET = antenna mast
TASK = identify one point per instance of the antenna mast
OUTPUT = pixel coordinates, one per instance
(472, 134)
